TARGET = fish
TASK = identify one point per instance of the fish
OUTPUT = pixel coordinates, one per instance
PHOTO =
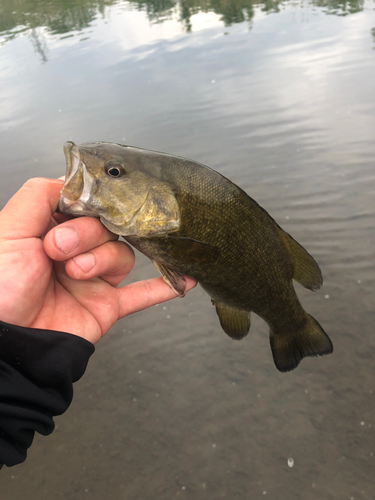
(190, 220)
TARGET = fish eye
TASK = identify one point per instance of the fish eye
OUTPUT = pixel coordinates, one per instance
(115, 170)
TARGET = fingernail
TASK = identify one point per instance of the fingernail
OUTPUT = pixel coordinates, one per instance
(85, 261)
(66, 239)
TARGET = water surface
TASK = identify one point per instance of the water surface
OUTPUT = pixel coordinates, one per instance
(278, 96)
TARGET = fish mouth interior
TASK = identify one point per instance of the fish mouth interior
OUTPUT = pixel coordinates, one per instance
(73, 160)
(76, 191)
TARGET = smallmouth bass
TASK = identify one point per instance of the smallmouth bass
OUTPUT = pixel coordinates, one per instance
(190, 220)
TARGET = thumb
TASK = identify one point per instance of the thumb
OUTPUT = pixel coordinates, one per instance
(28, 213)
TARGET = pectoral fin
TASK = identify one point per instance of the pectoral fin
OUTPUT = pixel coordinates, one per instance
(174, 279)
(235, 322)
(193, 251)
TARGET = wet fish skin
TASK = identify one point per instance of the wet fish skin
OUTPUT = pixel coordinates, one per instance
(189, 219)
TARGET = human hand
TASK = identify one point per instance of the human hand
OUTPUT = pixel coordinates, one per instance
(61, 274)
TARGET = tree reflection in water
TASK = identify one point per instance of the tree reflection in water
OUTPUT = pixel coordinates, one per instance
(67, 16)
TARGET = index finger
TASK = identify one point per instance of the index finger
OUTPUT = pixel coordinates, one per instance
(28, 213)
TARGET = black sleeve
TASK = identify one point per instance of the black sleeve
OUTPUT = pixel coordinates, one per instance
(37, 370)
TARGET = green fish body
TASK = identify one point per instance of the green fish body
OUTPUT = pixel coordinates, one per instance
(190, 220)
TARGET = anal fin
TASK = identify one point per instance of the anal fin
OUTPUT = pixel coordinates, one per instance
(235, 322)
(174, 279)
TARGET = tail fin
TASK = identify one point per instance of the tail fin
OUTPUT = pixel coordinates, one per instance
(289, 347)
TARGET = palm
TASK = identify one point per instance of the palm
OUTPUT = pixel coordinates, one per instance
(41, 295)
(66, 308)
(46, 287)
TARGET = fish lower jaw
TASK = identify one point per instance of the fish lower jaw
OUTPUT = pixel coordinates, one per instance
(75, 207)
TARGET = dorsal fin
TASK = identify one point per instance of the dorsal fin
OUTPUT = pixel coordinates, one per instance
(306, 270)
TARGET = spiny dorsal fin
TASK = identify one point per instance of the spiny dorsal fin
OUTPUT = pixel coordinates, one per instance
(306, 270)
(235, 322)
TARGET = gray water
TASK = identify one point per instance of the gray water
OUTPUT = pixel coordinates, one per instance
(279, 97)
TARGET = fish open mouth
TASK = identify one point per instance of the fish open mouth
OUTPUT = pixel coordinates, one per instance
(75, 195)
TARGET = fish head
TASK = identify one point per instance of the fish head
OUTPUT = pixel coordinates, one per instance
(116, 184)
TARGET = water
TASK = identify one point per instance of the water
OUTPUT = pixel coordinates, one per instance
(278, 96)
